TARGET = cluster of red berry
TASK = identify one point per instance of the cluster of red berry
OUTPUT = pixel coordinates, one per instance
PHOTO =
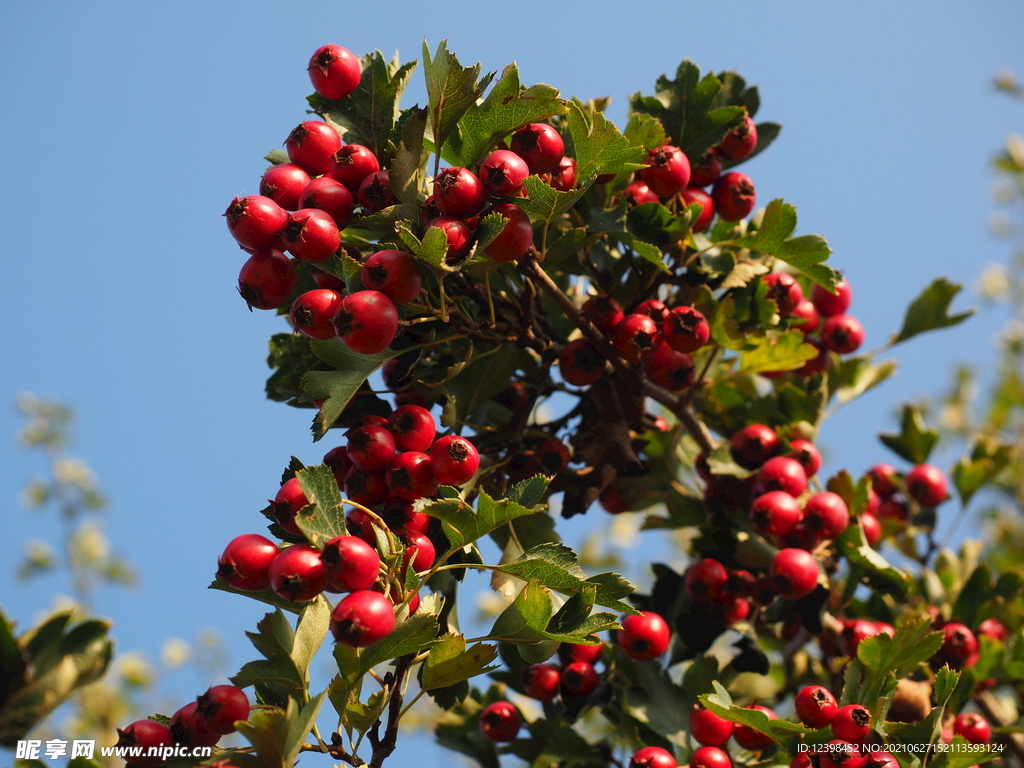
(200, 723)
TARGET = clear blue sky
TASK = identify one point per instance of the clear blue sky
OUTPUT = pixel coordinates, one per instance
(128, 128)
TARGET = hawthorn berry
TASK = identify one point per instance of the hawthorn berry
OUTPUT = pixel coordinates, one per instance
(852, 723)
(311, 235)
(563, 178)
(667, 172)
(367, 322)
(410, 476)
(826, 515)
(706, 579)
(740, 142)
(284, 184)
(669, 369)
(570, 652)
(872, 527)
(334, 71)
(541, 681)
(330, 196)
(843, 334)
(750, 738)
(926, 484)
(375, 192)
(256, 221)
(808, 456)
(394, 273)
(221, 706)
(841, 754)
(553, 455)
(540, 147)
(781, 473)
(362, 618)
(371, 447)
(297, 574)
(710, 757)
(959, 646)
(454, 460)
(884, 480)
(412, 427)
(829, 303)
(352, 164)
(804, 316)
(579, 679)
(289, 500)
(267, 280)
(638, 193)
(245, 562)
(515, 238)
(734, 196)
(360, 524)
(753, 445)
(326, 279)
(311, 145)
(854, 631)
(685, 329)
(604, 312)
(458, 192)
(973, 727)
(815, 706)
(146, 734)
(709, 729)
(794, 572)
(502, 173)
(419, 551)
(652, 757)
(188, 728)
(350, 564)
(654, 309)
(994, 628)
(775, 513)
(697, 196)
(706, 170)
(785, 291)
(458, 235)
(636, 337)
(644, 637)
(818, 363)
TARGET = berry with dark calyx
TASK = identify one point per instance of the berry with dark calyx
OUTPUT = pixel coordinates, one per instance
(696, 195)
(612, 501)
(785, 291)
(357, 522)
(311, 145)
(855, 631)
(289, 500)
(994, 628)
(826, 515)
(804, 316)
(412, 427)
(326, 279)
(419, 552)
(500, 721)
(221, 707)
(245, 562)
(375, 192)
(892, 509)
(541, 681)
(187, 728)
(311, 235)
(775, 513)
(579, 679)
(362, 618)
(841, 754)
(352, 164)
(734, 196)
(753, 445)
(638, 193)
(297, 573)
(973, 727)
(959, 646)
(457, 234)
(604, 312)
(818, 363)
(636, 337)
(685, 329)
(669, 369)
(371, 447)
(350, 564)
(926, 484)
(580, 363)
(752, 739)
(884, 480)
(570, 652)
(284, 184)
(872, 528)
(410, 476)
(553, 455)
(367, 322)
(267, 280)
(502, 173)
(710, 757)
(829, 303)
(367, 488)
(667, 172)
(738, 584)
(843, 334)
(794, 572)
(330, 196)
(458, 192)
(852, 723)
(654, 309)
(516, 237)
(644, 637)
(564, 177)
(808, 456)
(454, 460)
(706, 170)
(709, 729)
(146, 734)
(394, 273)
(815, 706)
(781, 473)
(706, 579)
(256, 221)
(740, 142)
(881, 759)
(540, 147)
(334, 71)
(653, 757)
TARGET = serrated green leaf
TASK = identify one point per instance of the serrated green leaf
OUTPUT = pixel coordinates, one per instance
(276, 157)
(785, 352)
(986, 460)
(529, 492)
(526, 618)
(645, 131)
(274, 639)
(406, 169)
(432, 249)
(654, 223)
(449, 662)
(452, 89)
(490, 227)
(659, 703)
(721, 462)
(598, 145)
(854, 547)
(313, 625)
(962, 754)
(544, 202)
(856, 375)
(416, 633)
(805, 253)
(915, 441)
(487, 373)
(930, 311)
(945, 683)
(779, 731)
(463, 525)
(976, 590)
(650, 253)
(324, 518)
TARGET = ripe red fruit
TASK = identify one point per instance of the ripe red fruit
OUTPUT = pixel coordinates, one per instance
(696, 195)
(297, 573)
(775, 513)
(502, 173)
(808, 456)
(362, 618)
(367, 322)
(540, 681)
(579, 679)
(311, 145)
(221, 706)
(826, 515)
(841, 754)
(973, 727)
(457, 234)
(394, 273)
(255, 221)
(752, 739)
(245, 562)
(829, 303)
(926, 484)
(669, 369)
(352, 164)
(667, 172)
(818, 363)
(706, 170)
(458, 192)
(612, 501)
(686, 329)
(843, 334)
(454, 460)
(815, 706)
(410, 476)
(710, 757)
(804, 316)
(580, 363)
(187, 728)
(375, 192)
(740, 142)
(413, 428)
(854, 631)
(326, 279)
(564, 177)
(652, 757)
(654, 309)
(419, 551)
(644, 637)
(553, 455)
(146, 734)
(515, 239)
(734, 196)
(753, 445)
(884, 480)
(706, 579)
(570, 652)
(540, 147)
(334, 71)
(794, 572)
(872, 528)
(330, 196)
(635, 337)
(638, 193)
(267, 280)
(604, 312)
(781, 473)
(367, 488)
(709, 729)
(852, 723)
(995, 629)
(311, 235)
(500, 721)
(959, 646)
(284, 184)
(785, 291)
(350, 564)
(371, 447)
(289, 500)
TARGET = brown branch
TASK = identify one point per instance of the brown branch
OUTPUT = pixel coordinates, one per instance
(383, 747)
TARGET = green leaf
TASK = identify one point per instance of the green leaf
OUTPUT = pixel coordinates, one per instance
(529, 492)
(449, 662)
(406, 169)
(915, 441)
(785, 352)
(856, 375)
(945, 683)
(930, 311)
(721, 462)
(490, 227)
(545, 203)
(278, 735)
(962, 754)
(314, 623)
(913, 644)
(555, 566)
(805, 253)
(526, 618)
(268, 596)
(324, 518)
(598, 145)
(451, 88)
(367, 115)
(987, 459)
(654, 223)
(649, 253)
(779, 731)
(432, 249)
(854, 547)
(976, 590)
(462, 525)
(488, 372)
(660, 704)
(645, 131)
(275, 640)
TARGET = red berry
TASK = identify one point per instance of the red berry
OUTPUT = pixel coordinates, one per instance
(221, 706)
(255, 221)
(146, 734)
(311, 235)
(187, 728)
(458, 192)
(267, 280)
(375, 192)
(604, 312)
(706, 170)
(410, 476)
(973, 727)
(959, 646)
(843, 334)
(926, 484)
(818, 363)
(667, 172)
(808, 456)
(669, 369)
(326, 279)
(612, 501)
(564, 177)
(362, 618)
(311, 145)
(334, 71)
(502, 173)
(816, 706)
(686, 329)
(394, 273)
(515, 239)
(352, 164)
(653, 757)
(457, 234)
(367, 322)
(419, 551)
(841, 754)
(636, 337)
(892, 509)
(644, 637)
(752, 739)
(883, 759)
(753, 445)
(245, 562)
(734, 196)
(884, 480)
(654, 309)
(579, 679)
(570, 652)
(350, 564)
(553, 456)
(804, 316)
(297, 573)
(855, 631)
(371, 447)
(706, 579)
(710, 757)
(803, 760)
(540, 681)
(540, 147)
(454, 460)
(995, 629)
(872, 528)
(795, 572)
(782, 473)
(740, 142)
(785, 291)
(412, 427)
(284, 184)
(826, 515)
(330, 196)
(366, 488)
(852, 723)
(709, 729)
(775, 513)
(829, 303)
(289, 500)
(638, 193)
(500, 721)
(696, 195)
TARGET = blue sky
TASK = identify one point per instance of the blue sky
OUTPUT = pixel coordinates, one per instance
(130, 126)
